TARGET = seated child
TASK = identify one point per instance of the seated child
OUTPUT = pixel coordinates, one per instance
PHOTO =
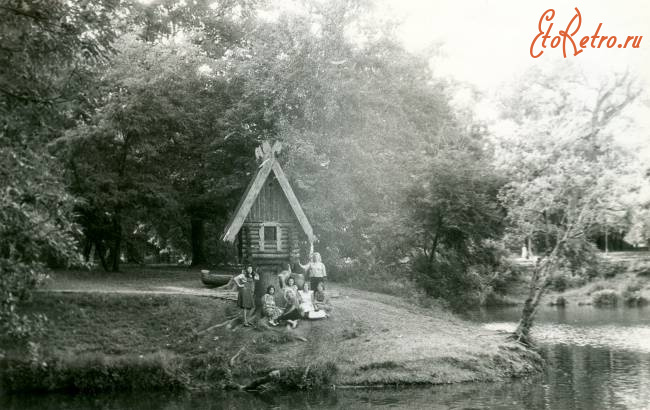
(321, 300)
(270, 309)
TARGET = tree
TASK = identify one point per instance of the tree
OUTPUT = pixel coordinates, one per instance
(455, 220)
(44, 44)
(566, 173)
(36, 225)
(358, 114)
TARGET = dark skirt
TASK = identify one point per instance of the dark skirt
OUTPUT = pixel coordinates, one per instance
(313, 282)
(245, 296)
(293, 315)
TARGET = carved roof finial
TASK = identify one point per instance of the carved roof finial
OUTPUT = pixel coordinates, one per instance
(266, 151)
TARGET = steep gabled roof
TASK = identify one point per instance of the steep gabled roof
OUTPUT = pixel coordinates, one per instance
(269, 165)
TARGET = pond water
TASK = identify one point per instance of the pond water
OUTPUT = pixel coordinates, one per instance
(598, 359)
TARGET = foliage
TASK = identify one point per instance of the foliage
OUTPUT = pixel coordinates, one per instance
(349, 113)
(36, 224)
(93, 373)
(456, 218)
(565, 174)
(605, 297)
(160, 103)
(45, 47)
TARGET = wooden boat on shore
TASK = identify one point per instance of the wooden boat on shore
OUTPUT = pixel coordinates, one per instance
(212, 279)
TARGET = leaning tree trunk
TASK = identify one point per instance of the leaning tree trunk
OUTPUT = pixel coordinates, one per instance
(198, 239)
(538, 286)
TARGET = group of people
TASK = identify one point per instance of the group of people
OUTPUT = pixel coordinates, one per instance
(309, 301)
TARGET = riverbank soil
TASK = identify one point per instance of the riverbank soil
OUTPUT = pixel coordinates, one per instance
(369, 339)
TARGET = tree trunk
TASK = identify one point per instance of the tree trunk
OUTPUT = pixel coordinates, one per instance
(538, 285)
(88, 247)
(117, 243)
(198, 239)
(99, 248)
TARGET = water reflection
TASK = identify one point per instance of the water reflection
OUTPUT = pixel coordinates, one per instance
(598, 359)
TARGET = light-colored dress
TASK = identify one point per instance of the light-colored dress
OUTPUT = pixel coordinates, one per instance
(270, 309)
(305, 303)
(306, 306)
(316, 270)
(290, 294)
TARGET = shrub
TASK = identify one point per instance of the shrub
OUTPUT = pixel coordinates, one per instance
(643, 272)
(450, 281)
(559, 301)
(494, 299)
(92, 373)
(605, 297)
(595, 288)
(306, 378)
(503, 278)
(559, 282)
(609, 269)
(632, 295)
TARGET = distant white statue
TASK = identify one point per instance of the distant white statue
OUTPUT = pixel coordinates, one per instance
(524, 252)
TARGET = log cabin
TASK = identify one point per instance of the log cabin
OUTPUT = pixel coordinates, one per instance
(269, 225)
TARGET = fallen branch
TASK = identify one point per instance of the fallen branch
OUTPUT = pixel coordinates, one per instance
(272, 376)
(232, 359)
(217, 326)
(304, 376)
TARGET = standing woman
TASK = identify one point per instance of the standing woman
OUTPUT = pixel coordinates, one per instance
(245, 290)
(316, 270)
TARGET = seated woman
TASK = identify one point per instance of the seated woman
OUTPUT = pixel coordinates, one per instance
(290, 290)
(321, 301)
(306, 306)
(291, 312)
(270, 309)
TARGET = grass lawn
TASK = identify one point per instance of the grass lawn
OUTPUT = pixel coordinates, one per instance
(370, 339)
(132, 277)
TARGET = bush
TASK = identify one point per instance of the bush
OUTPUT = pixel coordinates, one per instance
(306, 378)
(504, 278)
(643, 272)
(605, 297)
(609, 270)
(392, 280)
(559, 301)
(451, 281)
(494, 299)
(559, 282)
(632, 295)
(92, 373)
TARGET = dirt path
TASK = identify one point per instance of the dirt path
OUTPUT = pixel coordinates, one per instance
(163, 290)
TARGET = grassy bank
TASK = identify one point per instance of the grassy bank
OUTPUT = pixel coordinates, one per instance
(114, 341)
(621, 279)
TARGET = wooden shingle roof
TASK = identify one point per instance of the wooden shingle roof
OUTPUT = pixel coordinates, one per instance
(269, 165)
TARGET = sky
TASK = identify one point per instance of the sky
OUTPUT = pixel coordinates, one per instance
(487, 43)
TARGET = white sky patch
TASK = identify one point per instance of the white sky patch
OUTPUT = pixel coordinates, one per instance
(486, 43)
